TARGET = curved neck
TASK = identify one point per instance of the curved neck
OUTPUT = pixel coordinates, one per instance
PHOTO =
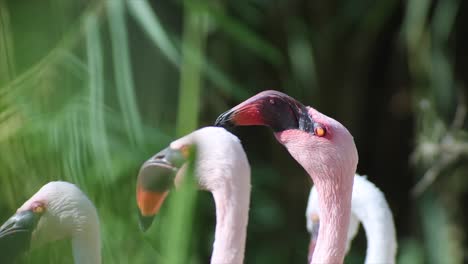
(374, 213)
(86, 245)
(381, 242)
(335, 203)
(232, 209)
(331, 163)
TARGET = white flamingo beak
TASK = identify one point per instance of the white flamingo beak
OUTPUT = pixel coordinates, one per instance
(15, 235)
(155, 179)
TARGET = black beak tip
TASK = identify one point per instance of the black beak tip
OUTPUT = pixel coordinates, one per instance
(219, 121)
(145, 221)
(224, 120)
(13, 246)
(15, 235)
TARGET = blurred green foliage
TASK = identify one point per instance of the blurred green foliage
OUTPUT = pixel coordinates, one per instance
(91, 89)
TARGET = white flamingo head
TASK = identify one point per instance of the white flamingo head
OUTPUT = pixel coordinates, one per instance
(217, 153)
(59, 210)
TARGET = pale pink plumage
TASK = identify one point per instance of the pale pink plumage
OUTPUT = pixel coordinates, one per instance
(222, 168)
(368, 206)
(323, 147)
(69, 214)
(331, 162)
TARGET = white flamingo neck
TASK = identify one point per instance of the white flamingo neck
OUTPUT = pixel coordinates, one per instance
(232, 208)
(370, 206)
(223, 169)
(86, 247)
(381, 242)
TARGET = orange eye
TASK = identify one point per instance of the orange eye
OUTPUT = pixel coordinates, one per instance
(38, 209)
(319, 131)
(185, 150)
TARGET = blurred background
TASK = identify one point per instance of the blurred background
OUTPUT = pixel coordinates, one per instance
(91, 89)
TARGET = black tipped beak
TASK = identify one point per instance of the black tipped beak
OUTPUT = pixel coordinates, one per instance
(225, 119)
(268, 108)
(22, 222)
(15, 235)
(145, 221)
(155, 179)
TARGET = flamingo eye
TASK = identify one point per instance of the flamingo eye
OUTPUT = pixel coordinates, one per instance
(38, 208)
(320, 131)
(185, 150)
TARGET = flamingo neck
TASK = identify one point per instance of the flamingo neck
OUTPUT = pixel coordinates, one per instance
(232, 208)
(381, 243)
(334, 198)
(86, 245)
(372, 209)
(332, 171)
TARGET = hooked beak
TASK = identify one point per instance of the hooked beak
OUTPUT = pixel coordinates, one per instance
(154, 180)
(268, 108)
(15, 235)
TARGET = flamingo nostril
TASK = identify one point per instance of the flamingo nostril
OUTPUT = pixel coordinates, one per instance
(161, 156)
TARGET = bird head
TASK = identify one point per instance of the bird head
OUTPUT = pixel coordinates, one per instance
(218, 155)
(315, 140)
(55, 212)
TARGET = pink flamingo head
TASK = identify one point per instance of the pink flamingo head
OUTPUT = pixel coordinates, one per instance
(324, 148)
(316, 141)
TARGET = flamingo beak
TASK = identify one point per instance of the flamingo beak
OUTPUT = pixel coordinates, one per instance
(155, 179)
(268, 108)
(15, 235)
